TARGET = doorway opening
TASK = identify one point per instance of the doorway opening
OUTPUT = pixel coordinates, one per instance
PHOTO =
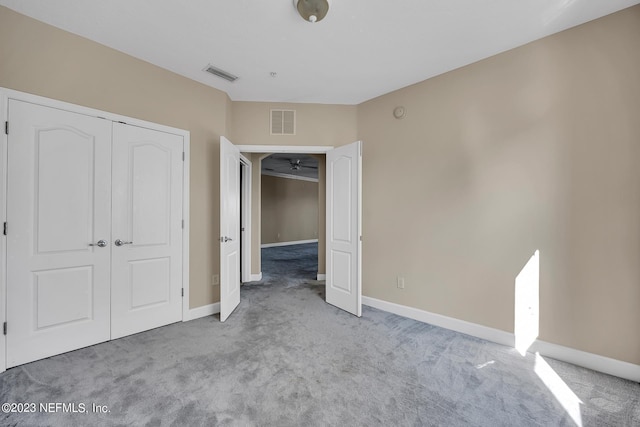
(290, 216)
(341, 226)
(252, 195)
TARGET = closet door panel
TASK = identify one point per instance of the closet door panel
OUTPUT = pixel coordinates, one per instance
(147, 229)
(58, 209)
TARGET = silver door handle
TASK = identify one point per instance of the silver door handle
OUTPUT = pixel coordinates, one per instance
(122, 242)
(101, 243)
(225, 239)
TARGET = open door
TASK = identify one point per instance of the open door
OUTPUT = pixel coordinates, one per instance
(344, 219)
(229, 228)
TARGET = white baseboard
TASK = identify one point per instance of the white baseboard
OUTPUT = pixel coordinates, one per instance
(596, 362)
(198, 312)
(296, 242)
(255, 277)
(473, 329)
(321, 277)
(607, 365)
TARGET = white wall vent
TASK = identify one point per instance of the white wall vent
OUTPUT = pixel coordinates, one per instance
(283, 122)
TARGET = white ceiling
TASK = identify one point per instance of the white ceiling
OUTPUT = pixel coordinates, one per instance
(362, 49)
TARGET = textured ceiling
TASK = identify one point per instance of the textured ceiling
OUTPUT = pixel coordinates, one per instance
(362, 49)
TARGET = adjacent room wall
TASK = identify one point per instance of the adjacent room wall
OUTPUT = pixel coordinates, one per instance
(289, 210)
(533, 149)
(43, 60)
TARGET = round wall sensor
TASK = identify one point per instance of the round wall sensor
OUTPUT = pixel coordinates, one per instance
(399, 112)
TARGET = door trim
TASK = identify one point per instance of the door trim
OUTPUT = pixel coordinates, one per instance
(245, 218)
(5, 96)
(302, 149)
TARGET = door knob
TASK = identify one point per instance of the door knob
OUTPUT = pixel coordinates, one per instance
(225, 239)
(122, 242)
(101, 243)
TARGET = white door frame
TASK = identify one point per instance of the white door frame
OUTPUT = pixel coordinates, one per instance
(245, 220)
(5, 95)
(302, 149)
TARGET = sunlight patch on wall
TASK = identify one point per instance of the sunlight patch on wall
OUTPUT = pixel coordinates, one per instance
(527, 304)
(560, 390)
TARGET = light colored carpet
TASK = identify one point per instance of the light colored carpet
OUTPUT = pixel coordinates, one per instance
(286, 358)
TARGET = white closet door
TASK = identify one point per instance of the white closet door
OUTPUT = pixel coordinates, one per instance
(146, 282)
(58, 205)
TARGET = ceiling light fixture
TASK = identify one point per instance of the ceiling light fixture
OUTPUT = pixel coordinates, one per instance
(312, 10)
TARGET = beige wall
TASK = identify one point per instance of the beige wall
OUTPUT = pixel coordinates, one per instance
(533, 149)
(40, 59)
(316, 124)
(289, 209)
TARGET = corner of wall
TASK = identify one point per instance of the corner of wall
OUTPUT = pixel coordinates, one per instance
(228, 111)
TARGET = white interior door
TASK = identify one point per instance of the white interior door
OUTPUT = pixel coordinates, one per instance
(146, 283)
(344, 218)
(58, 206)
(229, 228)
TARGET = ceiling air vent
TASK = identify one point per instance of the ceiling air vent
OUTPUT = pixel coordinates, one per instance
(220, 73)
(283, 122)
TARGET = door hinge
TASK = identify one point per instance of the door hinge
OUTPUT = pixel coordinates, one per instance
(183, 224)
(183, 292)
(5, 229)
(6, 128)
(4, 328)
(183, 156)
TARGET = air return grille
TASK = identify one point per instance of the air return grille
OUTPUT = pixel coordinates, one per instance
(220, 73)
(283, 122)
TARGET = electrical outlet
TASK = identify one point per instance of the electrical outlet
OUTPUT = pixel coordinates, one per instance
(215, 280)
(400, 281)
